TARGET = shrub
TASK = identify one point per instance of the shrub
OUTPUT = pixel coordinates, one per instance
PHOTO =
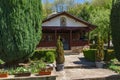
(90, 54)
(45, 55)
(50, 57)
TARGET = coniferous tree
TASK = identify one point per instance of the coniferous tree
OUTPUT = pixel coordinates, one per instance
(115, 27)
(60, 59)
(20, 28)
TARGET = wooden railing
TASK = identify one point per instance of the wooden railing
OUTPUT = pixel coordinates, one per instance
(47, 44)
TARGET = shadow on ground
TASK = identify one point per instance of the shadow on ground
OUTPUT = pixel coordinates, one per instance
(85, 63)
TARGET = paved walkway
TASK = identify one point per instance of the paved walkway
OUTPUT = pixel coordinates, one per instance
(77, 68)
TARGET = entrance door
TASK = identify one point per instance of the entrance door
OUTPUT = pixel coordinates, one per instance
(65, 40)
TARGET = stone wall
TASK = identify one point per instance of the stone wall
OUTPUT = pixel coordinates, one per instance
(32, 77)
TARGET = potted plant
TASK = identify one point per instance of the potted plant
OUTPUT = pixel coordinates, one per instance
(3, 73)
(99, 56)
(22, 71)
(45, 71)
(60, 59)
(40, 68)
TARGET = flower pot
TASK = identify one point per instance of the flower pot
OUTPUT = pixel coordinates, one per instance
(99, 64)
(45, 73)
(59, 67)
(22, 74)
(3, 75)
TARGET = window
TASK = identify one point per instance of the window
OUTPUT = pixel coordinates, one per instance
(62, 21)
(47, 37)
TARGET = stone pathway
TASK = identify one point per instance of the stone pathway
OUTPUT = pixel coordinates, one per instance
(77, 68)
(77, 61)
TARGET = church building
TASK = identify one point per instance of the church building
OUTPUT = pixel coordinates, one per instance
(74, 32)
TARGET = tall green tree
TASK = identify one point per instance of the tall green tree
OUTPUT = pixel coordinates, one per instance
(20, 28)
(100, 17)
(115, 27)
(47, 8)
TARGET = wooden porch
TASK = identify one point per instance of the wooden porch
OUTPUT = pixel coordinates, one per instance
(71, 37)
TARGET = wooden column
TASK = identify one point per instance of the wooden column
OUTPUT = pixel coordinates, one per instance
(88, 37)
(55, 35)
(70, 39)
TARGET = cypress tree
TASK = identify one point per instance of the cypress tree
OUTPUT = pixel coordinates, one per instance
(20, 28)
(60, 59)
(100, 49)
(115, 27)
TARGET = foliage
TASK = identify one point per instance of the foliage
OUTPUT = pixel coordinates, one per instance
(21, 70)
(3, 71)
(89, 54)
(109, 54)
(100, 17)
(114, 65)
(45, 55)
(47, 8)
(93, 46)
(1, 61)
(115, 27)
(34, 67)
(97, 12)
(59, 52)
(20, 29)
(50, 57)
(102, 3)
(99, 55)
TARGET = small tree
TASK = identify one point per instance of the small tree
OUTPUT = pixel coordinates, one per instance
(100, 50)
(59, 52)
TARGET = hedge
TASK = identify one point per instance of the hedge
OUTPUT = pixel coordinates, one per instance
(90, 54)
(45, 55)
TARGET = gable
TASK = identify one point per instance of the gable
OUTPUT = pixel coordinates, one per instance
(70, 22)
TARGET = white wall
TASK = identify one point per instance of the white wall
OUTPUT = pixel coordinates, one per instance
(70, 22)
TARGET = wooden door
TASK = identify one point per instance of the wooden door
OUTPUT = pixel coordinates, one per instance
(65, 39)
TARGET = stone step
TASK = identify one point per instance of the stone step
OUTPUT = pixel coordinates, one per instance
(113, 77)
(82, 66)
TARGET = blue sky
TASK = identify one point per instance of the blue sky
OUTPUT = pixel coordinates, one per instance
(78, 1)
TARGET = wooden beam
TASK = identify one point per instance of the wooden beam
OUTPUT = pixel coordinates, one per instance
(70, 39)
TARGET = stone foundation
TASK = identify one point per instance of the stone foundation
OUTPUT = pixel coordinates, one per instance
(46, 48)
(32, 77)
